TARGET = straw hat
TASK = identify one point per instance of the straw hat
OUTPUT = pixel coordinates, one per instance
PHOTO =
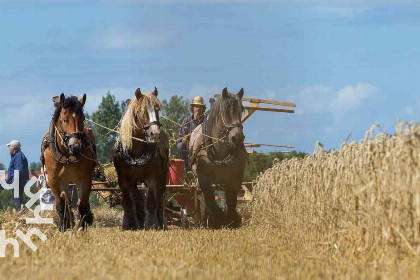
(198, 100)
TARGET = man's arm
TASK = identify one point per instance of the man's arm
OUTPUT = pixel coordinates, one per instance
(181, 131)
(10, 172)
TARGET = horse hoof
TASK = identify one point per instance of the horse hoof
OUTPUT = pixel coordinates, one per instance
(87, 220)
(216, 221)
(129, 221)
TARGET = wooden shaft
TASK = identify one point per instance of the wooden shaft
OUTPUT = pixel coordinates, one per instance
(256, 145)
(265, 101)
(269, 109)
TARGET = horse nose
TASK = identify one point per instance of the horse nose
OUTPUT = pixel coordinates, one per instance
(75, 146)
(237, 138)
(156, 136)
(156, 132)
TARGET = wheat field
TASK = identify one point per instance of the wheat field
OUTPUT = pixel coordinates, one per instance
(350, 213)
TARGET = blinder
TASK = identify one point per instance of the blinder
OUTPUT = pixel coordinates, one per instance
(79, 135)
(228, 128)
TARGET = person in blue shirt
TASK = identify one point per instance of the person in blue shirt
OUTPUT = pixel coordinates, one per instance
(18, 162)
(189, 123)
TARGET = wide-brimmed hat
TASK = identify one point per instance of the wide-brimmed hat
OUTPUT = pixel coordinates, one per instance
(198, 101)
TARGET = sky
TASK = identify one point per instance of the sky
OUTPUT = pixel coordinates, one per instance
(346, 64)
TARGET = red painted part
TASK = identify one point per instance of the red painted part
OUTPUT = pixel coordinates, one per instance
(176, 172)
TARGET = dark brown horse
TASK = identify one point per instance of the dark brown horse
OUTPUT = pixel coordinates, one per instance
(221, 158)
(142, 156)
(68, 152)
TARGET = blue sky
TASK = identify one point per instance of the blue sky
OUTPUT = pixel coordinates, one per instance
(346, 64)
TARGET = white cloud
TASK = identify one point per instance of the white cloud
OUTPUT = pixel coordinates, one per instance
(351, 97)
(312, 99)
(128, 39)
(323, 99)
(412, 109)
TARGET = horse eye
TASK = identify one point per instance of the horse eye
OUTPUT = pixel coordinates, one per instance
(66, 121)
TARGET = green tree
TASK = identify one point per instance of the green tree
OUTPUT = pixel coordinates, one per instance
(108, 114)
(5, 195)
(175, 109)
(35, 166)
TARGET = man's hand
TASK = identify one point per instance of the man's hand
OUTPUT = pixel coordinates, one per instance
(185, 138)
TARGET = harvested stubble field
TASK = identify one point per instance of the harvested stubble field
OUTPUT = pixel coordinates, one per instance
(350, 213)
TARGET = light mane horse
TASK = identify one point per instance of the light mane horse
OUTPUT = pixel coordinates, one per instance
(142, 156)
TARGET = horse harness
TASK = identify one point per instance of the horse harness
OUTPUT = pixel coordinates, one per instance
(148, 152)
(209, 147)
(50, 142)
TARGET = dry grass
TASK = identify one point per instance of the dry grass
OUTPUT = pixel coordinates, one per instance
(247, 253)
(352, 213)
(363, 200)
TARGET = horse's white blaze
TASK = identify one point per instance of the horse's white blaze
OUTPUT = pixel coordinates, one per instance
(152, 118)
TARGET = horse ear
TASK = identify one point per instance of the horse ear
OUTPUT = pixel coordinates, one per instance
(62, 98)
(138, 93)
(240, 93)
(155, 92)
(83, 100)
(225, 93)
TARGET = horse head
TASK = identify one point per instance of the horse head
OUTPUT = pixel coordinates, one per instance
(227, 111)
(147, 117)
(70, 123)
(142, 117)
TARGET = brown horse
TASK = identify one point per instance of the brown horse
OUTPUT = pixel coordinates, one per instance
(220, 158)
(68, 152)
(142, 156)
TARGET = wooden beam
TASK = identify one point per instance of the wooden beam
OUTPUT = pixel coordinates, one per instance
(257, 145)
(248, 113)
(265, 101)
(269, 109)
(169, 188)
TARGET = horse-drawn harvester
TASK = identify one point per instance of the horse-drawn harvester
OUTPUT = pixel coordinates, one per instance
(184, 202)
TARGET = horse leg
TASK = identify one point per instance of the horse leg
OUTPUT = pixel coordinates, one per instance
(161, 205)
(233, 218)
(129, 219)
(60, 208)
(65, 215)
(151, 205)
(216, 216)
(138, 200)
(86, 216)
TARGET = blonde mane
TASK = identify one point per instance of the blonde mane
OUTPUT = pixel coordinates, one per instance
(128, 121)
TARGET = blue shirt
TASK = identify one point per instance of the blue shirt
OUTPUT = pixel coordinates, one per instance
(188, 125)
(19, 162)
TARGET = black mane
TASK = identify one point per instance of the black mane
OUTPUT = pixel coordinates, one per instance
(70, 103)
